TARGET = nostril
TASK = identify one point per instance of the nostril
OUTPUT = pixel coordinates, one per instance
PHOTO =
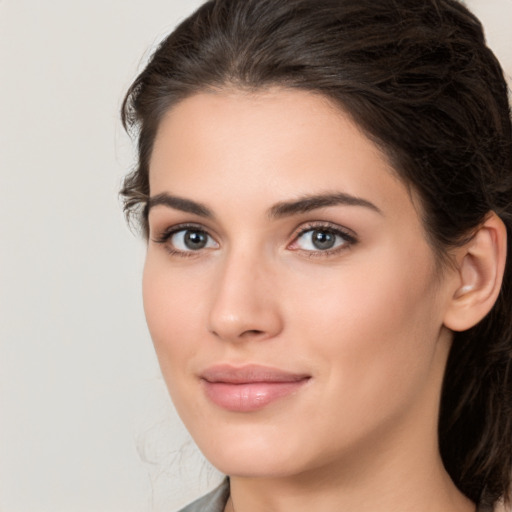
(247, 333)
(251, 332)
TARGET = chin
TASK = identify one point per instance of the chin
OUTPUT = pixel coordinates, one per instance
(251, 453)
(262, 465)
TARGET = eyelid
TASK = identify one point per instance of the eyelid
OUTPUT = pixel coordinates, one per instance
(165, 236)
(347, 234)
(350, 237)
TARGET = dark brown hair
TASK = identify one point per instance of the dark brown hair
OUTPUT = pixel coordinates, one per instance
(418, 78)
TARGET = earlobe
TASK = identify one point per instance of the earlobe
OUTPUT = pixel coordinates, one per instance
(480, 267)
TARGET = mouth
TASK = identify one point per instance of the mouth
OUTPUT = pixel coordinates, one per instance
(249, 388)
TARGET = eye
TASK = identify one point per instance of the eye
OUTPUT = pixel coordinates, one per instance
(322, 239)
(186, 240)
(191, 240)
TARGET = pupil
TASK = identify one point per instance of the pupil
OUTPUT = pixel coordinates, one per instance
(323, 239)
(195, 239)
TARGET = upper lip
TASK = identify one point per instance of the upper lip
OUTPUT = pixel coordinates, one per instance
(249, 373)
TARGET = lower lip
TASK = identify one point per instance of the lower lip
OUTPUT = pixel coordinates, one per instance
(248, 397)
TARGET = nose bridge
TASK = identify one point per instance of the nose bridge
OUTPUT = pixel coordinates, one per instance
(243, 305)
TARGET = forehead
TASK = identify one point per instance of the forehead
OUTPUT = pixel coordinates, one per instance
(277, 143)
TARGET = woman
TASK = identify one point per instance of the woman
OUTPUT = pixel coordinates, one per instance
(325, 188)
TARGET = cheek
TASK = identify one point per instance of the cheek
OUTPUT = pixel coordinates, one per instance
(376, 329)
(172, 304)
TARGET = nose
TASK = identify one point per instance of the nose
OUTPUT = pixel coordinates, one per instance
(244, 304)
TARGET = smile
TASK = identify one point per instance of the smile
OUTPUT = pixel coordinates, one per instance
(249, 388)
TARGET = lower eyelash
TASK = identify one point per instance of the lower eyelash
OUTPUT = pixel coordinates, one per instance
(181, 254)
(164, 236)
(351, 240)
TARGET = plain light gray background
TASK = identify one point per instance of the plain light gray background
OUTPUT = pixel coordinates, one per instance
(85, 422)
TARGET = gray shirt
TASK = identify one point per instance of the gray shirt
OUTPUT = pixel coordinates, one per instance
(214, 501)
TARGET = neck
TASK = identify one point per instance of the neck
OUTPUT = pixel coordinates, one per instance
(389, 485)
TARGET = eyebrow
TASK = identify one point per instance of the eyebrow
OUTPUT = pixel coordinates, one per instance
(308, 203)
(178, 203)
(282, 209)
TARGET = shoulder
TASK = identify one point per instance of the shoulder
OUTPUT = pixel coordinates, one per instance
(214, 501)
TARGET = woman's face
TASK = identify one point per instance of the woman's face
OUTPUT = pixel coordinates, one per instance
(289, 288)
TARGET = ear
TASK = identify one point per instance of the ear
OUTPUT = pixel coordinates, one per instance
(480, 267)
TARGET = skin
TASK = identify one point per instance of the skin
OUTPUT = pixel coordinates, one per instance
(365, 320)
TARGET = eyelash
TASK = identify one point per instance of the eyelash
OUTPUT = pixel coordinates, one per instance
(164, 237)
(349, 238)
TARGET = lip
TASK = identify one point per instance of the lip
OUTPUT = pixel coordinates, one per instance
(249, 388)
